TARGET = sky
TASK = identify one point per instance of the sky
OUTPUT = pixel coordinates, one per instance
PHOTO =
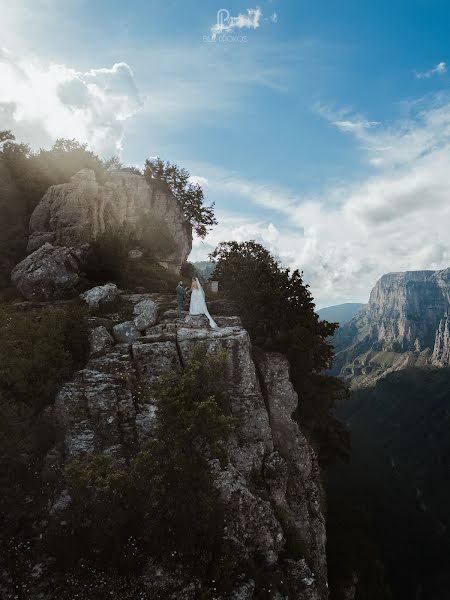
(320, 129)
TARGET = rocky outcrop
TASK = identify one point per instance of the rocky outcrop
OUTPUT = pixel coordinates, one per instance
(75, 213)
(271, 484)
(405, 309)
(49, 273)
(402, 326)
(101, 294)
(441, 350)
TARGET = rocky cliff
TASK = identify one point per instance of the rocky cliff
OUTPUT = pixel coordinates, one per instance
(441, 350)
(75, 213)
(271, 486)
(401, 326)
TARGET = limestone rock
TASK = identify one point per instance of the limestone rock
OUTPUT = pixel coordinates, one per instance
(125, 332)
(75, 213)
(51, 272)
(400, 327)
(155, 359)
(301, 506)
(441, 350)
(100, 341)
(146, 312)
(244, 591)
(196, 321)
(270, 486)
(101, 294)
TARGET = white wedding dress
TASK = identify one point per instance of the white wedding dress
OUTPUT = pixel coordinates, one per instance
(198, 304)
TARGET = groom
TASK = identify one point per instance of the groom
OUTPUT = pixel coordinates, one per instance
(181, 292)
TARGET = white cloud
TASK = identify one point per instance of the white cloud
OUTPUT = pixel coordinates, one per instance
(227, 23)
(439, 69)
(396, 219)
(43, 102)
(274, 18)
(197, 179)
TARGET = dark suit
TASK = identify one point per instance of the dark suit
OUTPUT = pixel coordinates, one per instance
(180, 298)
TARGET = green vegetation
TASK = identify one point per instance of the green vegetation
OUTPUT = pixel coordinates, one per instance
(394, 494)
(39, 351)
(164, 504)
(189, 195)
(26, 175)
(277, 309)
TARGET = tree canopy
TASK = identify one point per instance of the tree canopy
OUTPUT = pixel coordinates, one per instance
(278, 311)
(188, 193)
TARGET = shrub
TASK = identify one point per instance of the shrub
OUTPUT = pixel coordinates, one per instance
(164, 504)
(39, 351)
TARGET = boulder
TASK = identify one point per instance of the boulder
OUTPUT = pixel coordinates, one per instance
(51, 272)
(75, 213)
(100, 341)
(101, 294)
(146, 312)
(125, 333)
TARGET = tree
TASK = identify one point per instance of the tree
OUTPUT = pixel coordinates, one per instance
(277, 309)
(24, 178)
(188, 194)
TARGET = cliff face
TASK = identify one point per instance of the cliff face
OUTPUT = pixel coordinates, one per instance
(73, 214)
(271, 486)
(399, 327)
(441, 351)
(405, 308)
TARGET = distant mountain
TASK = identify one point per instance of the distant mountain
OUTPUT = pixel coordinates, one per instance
(395, 491)
(340, 313)
(405, 324)
(205, 268)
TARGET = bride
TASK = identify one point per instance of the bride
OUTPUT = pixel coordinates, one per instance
(198, 303)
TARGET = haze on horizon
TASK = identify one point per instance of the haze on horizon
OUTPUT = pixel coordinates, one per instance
(320, 130)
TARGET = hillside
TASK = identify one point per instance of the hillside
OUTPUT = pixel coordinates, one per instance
(398, 476)
(340, 313)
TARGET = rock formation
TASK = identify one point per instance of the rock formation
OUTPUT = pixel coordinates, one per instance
(49, 273)
(271, 485)
(100, 295)
(400, 327)
(441, 351)
(75, 213)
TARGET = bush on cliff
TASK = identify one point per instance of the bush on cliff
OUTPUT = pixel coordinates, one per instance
(278, 311)
(39, 351)
(163, 505)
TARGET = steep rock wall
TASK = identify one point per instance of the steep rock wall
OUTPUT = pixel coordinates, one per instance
(73, 214)
(441, 350)
(400, 327)
(271, 486)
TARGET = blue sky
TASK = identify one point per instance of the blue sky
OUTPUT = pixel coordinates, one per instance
(321, 129)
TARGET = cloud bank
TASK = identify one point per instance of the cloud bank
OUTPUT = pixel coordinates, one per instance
(395, 219)
(43, 102)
